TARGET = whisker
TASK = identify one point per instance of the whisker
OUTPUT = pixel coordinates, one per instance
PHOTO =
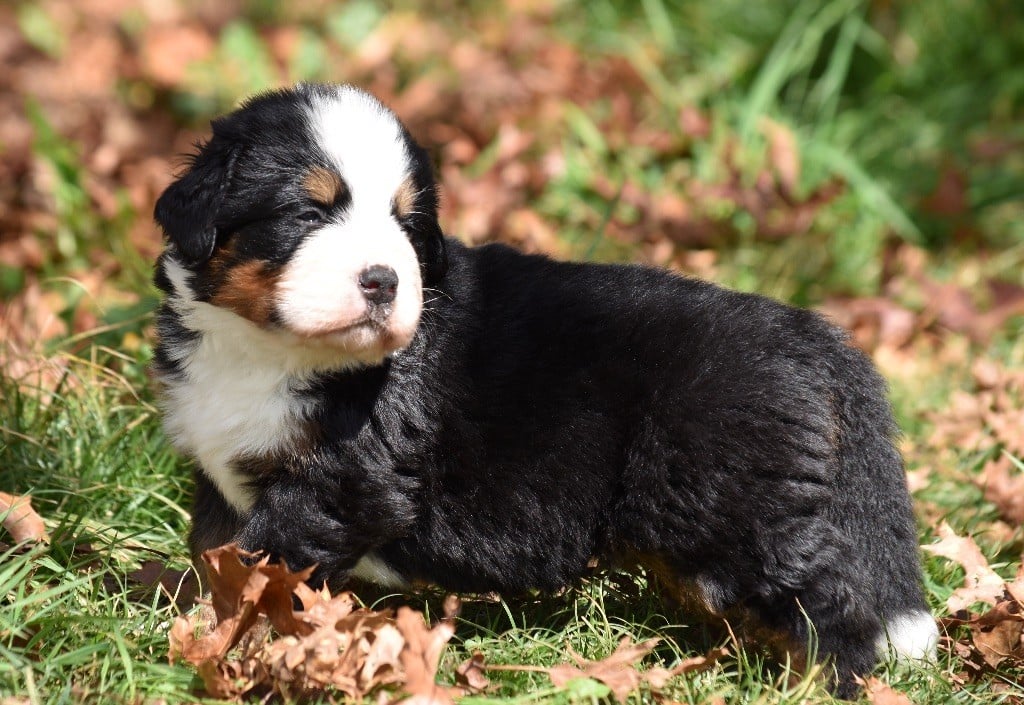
(440, 294)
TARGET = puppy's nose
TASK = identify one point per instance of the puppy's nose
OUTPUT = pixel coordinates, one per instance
(378, 284)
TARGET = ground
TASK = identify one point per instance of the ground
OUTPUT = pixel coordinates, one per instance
(861, 158)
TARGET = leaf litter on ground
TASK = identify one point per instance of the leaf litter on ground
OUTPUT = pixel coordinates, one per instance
(619, 671)
(330, 644)
(264, 631)
(994, 638)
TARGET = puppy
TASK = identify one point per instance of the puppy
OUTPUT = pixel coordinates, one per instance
(364, 395)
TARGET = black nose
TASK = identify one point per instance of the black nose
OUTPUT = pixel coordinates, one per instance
(379, 284)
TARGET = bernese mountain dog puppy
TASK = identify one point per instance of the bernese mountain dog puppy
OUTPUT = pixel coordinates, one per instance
(362, 394)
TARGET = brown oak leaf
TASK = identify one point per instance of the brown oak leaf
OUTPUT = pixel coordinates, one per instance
(21, 520)
(1003, 483)
(617, 671)
(331, 645)
(421, 656)
(1000, 641)
(995, 636)
(879, 693)
(469, 675)
(657, 677)
(981, 583)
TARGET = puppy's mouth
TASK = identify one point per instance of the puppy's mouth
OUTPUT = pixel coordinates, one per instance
(370, 332)
(374, 320)
(362, 324)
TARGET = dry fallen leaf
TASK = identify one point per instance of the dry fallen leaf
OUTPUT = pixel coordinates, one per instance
(999, 641)
(353, 651)
(618, 671)
(879, 693)
(236, 591)
(981, 583)
(469, 675)
(995, 637)
(421, 656)
(1003, 483)
(259, 644)
(657, 677)
(20, 519)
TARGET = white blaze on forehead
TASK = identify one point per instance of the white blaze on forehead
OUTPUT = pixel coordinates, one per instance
(365, 142)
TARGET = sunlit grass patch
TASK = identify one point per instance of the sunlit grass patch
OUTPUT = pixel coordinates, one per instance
(79, 439)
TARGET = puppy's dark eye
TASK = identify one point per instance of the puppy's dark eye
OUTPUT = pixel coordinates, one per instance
(312, 216)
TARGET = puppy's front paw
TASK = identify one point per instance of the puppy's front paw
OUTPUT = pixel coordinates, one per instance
(312, 542)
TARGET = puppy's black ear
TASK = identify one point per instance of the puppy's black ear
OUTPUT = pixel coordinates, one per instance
(187, 210)
(435, 260)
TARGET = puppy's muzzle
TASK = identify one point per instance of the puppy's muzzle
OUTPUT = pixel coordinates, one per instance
(378, 284)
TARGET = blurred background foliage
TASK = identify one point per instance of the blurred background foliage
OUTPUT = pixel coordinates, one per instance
(785, 146)
(864, 157)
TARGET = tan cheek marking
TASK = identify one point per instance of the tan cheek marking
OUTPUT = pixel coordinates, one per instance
(323, 185)
(405, 198)
(248, 290)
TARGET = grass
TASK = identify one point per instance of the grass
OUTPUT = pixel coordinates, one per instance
(92, 456)
(886, 96)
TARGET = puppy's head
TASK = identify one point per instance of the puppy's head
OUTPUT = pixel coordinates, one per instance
(312, 213)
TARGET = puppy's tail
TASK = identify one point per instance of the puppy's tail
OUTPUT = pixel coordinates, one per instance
(874, 510)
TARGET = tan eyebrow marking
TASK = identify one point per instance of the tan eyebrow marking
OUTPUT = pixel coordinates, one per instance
(405, 197)
(323, 185)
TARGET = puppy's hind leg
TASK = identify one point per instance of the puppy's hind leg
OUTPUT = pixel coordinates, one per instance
(834, 617)
(876, 579)
(873, 508)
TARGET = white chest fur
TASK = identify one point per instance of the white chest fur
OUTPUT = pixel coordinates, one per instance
(232, 407)
(240, 395)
